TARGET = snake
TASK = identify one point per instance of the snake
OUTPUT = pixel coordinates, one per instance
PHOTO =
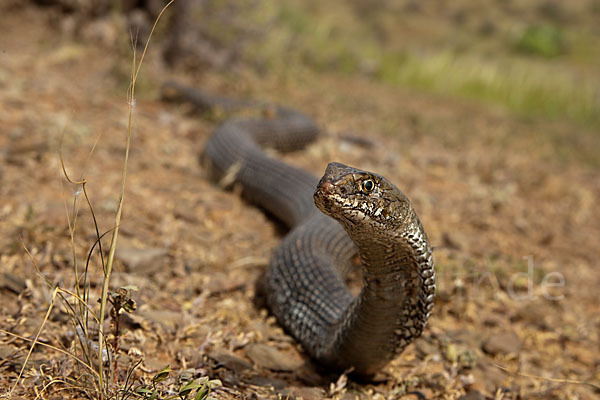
(331, 220)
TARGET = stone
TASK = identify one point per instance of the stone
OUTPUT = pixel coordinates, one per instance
(7, 351)
(532, 315)
(277, 384)
(168, 319)
(425, 348)
(12, 282)
(304, 393)
(506, 342)
(472, 395)
(490, 376)
(269, 357)
(142, 260)
(230, 360)
(155, 364)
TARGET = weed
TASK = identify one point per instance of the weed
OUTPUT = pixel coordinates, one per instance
(189, 387)
(121, 302)
(541, 40)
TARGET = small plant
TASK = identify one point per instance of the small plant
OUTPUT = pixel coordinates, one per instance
(189, 388)
(121, 302)
(542, 40)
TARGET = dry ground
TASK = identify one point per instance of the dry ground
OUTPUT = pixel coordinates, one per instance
(488, 187)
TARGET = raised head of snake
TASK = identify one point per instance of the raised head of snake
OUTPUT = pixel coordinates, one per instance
(398, 276)
(363, 202)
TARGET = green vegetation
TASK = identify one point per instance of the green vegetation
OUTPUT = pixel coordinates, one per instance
(544, 40)
(189, 388)
(524, 88)
(555, 84)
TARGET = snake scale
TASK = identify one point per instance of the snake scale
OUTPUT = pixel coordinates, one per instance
(347, 211)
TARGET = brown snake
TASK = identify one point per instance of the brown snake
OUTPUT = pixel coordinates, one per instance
(359, 212)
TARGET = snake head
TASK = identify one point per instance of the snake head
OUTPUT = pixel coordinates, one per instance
(359, 198)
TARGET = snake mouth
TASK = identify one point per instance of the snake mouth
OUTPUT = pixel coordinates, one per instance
(323, 196)
(328, 199)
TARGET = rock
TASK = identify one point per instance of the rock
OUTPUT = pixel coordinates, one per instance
(155, 364)
(357, 140)
(269, 357)
(191, 355)
(261, 329)
(425, 348)
(493, 321)
(12, 282)
(354, 395)
(169, 319)
(7, 351)
(132, 321)
(590, 359)
(258, 380)
(221, 283)
(504, 343)
(550, 394)
(467, 337)
(472, 395)
(450, 241)
(425, 393)
(305, 393)
(532, 315)
(491, 376)
(146, 261)
(101, 30)
(15, 357)
(230, 360)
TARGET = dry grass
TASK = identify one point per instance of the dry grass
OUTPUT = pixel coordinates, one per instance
(101, 377)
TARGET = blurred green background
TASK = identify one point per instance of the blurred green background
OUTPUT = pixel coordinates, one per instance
(535, 57)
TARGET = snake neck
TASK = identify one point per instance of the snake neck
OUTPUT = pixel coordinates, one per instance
(395, 301)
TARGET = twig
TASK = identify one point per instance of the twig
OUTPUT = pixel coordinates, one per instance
(136, 67)
(556, 380)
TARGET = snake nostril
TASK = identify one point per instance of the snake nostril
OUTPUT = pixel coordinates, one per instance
(326, 187)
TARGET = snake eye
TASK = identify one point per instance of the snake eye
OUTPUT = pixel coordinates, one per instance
(368, 185)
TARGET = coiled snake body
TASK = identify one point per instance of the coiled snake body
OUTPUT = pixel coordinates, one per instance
(356, 211)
